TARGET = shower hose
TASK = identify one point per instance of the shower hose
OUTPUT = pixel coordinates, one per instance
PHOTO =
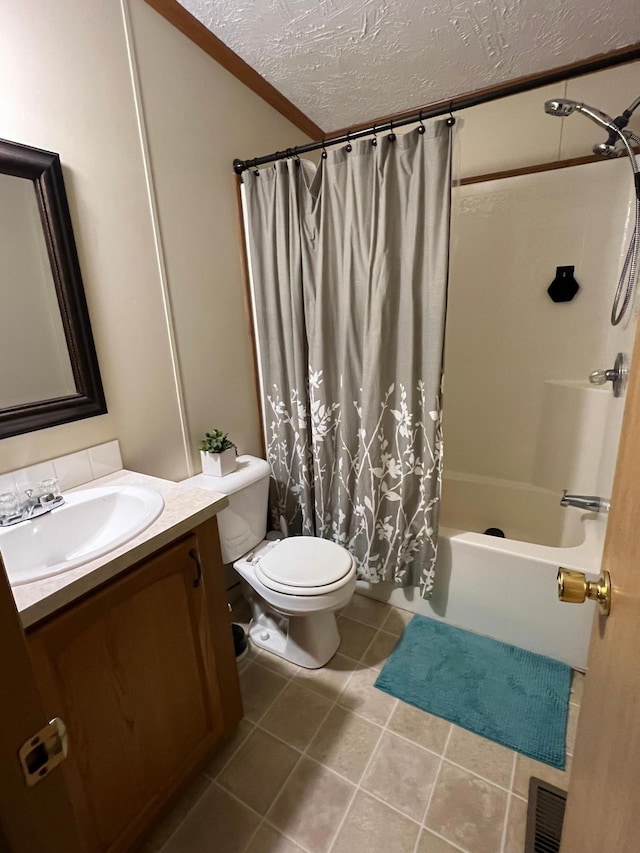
(627, 281)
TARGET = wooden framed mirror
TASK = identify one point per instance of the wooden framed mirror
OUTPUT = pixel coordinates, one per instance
(49, 370)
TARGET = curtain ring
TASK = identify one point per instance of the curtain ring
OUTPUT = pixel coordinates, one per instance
(324, 150)
(421, 127)
(392, 136)
(451, 120)
(374, 141)
(296, 156)
(349, 147)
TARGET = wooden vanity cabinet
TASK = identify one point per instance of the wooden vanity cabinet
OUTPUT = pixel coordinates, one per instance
(143, 673)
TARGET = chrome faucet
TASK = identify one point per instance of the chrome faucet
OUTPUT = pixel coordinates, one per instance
(28, 507)
(13, 509)
(589, 503)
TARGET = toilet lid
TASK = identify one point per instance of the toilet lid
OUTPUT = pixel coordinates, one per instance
(305, 561)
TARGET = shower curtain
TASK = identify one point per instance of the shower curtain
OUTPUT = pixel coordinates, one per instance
(349, 271)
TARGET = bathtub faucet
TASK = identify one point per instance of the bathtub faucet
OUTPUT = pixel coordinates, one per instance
(589, 503)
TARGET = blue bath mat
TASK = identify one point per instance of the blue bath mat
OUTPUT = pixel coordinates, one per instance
(500, 692)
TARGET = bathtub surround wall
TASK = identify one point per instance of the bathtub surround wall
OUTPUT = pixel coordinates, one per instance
(146, 125)
(519, 407)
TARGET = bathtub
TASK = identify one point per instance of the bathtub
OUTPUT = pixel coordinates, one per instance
(506, 588)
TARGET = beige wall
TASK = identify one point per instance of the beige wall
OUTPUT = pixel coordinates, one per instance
(199, 118)
(68, 87)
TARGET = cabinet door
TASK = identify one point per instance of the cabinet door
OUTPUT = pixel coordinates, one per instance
(130, 670)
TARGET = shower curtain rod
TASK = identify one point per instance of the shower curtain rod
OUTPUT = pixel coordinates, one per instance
(239, 166)
(463, 102)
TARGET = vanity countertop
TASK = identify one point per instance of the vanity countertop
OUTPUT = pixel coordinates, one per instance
(185, 507)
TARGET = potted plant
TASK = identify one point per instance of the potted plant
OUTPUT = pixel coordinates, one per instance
(218, 454)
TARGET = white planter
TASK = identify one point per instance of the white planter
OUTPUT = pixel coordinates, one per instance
(219, 464)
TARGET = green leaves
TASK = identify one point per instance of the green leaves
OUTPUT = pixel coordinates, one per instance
(216, 442)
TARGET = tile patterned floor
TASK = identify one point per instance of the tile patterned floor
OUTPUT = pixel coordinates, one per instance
(325, 763)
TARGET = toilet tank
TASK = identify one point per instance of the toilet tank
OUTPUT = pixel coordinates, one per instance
(243, 524)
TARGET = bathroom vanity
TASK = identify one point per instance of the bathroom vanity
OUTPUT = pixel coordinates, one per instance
(134, 652)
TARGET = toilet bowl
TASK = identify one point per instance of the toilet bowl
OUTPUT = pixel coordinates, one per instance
(293, 585)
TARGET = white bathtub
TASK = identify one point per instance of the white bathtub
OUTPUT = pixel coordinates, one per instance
(523, 511)
(506, 588)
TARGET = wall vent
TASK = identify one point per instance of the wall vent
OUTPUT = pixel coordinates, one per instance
(544, 817)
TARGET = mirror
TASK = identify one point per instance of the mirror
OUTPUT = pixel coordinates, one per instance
(49, 371)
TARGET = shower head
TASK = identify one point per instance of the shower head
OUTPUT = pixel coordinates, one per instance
(564, 107)
(559, 107)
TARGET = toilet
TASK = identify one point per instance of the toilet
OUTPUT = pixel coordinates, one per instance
(294, 585)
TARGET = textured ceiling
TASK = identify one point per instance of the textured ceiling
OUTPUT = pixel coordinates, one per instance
(346, 61)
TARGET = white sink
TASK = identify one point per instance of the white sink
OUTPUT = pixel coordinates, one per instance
(90, 523)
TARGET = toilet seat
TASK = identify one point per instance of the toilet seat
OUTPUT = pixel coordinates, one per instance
(304, 565)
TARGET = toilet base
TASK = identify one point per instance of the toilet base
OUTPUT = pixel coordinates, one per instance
(309, 641)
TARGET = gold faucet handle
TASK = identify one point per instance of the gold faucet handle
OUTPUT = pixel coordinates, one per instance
(574, 588)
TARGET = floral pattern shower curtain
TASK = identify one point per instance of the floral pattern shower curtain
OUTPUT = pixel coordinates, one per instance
(349, 270)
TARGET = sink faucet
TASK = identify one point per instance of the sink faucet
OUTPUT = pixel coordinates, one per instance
(29, 506)
(589, 503)
(13, 510)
